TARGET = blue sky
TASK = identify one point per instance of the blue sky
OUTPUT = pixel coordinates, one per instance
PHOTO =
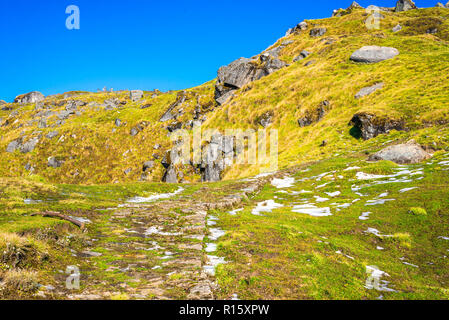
(140, 44)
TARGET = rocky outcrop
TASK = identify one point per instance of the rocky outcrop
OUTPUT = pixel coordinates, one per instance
(302, 26)
(265, 119)
(402, 154)
(243, 71)
(2, 102)
(314, 116)
(304, 54)
(135, 95)
(31, 97)
(318, 32)
(168, 115)
(369, 90)
(24, 147)
(217, 156)
(370, 126)
(374, 54)
(405, 5)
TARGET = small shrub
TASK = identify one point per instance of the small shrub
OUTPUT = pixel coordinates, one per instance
(418, 211)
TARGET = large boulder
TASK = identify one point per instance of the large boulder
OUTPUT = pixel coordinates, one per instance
(14, 145)
(370, 126)
(243, 71)
(402, 154)
(31, 97)
(374, 54)
(405, 5)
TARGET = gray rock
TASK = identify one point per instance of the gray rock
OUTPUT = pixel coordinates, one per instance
(31, 97)
(54, 163)
(304, 54)
(318, 32)
(402, 154)
(148, 165)
(243, 71)
(65, 114)
(170, 175)
(369, 90)
(29, 167)
(370, 126)
(302, 26)
(118, 122)
(29, 145)
(168, 115)
(405, 5)
(157, 146)
(111, 104)
(397, 28)
(440, 5)
(354, 5)
(2, 102)
(374, 54)
(14, 145)
(135, 95)
(52, 134)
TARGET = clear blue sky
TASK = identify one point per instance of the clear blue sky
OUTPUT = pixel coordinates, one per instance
(140, 44)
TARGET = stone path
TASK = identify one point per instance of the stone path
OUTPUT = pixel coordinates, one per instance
(153, 250)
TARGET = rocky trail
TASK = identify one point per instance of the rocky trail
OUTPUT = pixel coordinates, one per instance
(153, 248)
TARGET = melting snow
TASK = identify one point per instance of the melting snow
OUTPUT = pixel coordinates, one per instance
(333, 194)
(287, 182)
(407, 189)
(265, 206)
(312, 210)
(365, 216)
(155, 197)
(234, 212)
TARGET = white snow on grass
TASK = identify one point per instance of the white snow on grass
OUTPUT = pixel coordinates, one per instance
(212, 263)
(352, 168)
(265, 206)
(234, 212)
(211, 247)
(155, 197)
(333, 194)
(320, 199)
(365, 216)
(407, 189)
(158, 230)
(287, 182)
(377, 202)
(216, 233)
(312, 210)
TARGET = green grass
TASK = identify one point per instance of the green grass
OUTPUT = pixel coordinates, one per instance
(288, 255)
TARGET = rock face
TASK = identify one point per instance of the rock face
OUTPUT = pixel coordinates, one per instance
(405, 5)
(371, 126)
(31, 97)
(243, 71)
(217, 156)
(368, 90)
(2, 102)
(135, 95)
(402, 154)
(374, 54)
(318, 32)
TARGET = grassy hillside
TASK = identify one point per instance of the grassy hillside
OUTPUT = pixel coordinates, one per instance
(415, 88)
